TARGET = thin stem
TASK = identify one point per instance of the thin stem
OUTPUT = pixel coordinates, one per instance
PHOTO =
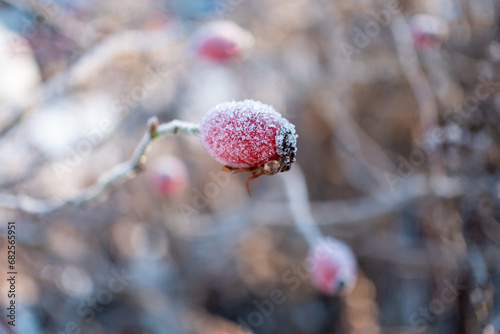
(112, 177)
(418, 82)
(298, 202)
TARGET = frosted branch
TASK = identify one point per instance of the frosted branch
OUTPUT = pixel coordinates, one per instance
(298, 202)
(112, 177)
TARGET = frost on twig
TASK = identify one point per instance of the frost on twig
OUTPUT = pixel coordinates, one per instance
(298, 202)
(112, 177)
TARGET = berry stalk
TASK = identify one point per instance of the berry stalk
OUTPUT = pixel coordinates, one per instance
(331, 263)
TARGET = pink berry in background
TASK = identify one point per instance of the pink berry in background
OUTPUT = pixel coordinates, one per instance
(249, 136)
(169, 176)
(221, 40)
(428, 31)
(332, 266)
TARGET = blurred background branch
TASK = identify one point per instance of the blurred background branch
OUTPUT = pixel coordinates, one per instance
(396, 106)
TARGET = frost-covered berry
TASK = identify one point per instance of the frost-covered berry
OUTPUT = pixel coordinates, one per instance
(169, 176)
(249, 136)
(332, 266)
(221, 40)
(428, 31)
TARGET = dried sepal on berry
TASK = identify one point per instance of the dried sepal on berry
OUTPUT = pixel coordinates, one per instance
(249, 136)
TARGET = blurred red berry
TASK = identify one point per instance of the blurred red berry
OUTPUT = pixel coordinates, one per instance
(249, 136)
(332, 266)
(428, 31)
(221, 40)
(169, 176)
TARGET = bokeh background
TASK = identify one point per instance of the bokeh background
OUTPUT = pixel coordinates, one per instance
(398, 122)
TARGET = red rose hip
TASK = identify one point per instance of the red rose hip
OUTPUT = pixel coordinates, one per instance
(221, 41)
(249, 136)
(169, 176)
(332, 266)
(428, 31)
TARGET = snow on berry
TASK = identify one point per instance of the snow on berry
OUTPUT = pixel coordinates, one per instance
(332, 266)
(246, 134)
(169, 176)
(221, 40)
(249, 136)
